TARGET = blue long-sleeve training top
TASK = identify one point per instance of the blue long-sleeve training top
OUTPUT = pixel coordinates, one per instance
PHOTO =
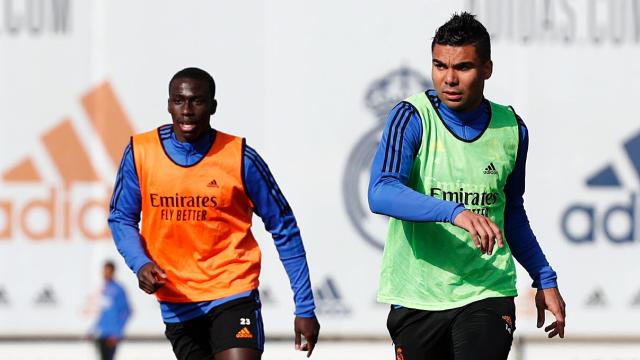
(269, 204)
(389, 195)
(114, 313)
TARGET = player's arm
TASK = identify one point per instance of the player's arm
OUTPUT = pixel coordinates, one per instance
(274, 210)
(388, 191)
(524, 245)
(125, 309)
(124, 217)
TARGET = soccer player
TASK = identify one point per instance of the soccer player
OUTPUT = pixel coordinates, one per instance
(197, 189)
(114, 313)
(450, 171)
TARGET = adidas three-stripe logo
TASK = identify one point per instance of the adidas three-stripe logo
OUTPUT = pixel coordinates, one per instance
(244, 333)
(490, 170)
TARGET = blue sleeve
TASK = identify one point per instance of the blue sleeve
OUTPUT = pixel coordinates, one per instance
(124, 213)
(124, 311)
(388, 191)
(272, 207)
(523, 243)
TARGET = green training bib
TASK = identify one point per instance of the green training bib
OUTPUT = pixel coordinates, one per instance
(435, 265)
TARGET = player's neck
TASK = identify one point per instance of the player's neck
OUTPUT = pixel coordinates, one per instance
(479, 114)
(203, 140)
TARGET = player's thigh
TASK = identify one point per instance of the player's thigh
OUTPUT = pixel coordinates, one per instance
(484, 330)
(190, 339)
(237, 324)
(419, 334)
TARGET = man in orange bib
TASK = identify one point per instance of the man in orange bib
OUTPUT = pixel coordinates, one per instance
(197, 189)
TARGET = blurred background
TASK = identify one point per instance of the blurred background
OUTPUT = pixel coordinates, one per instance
(309, 84)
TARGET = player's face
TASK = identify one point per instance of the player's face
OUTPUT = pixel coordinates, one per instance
(190, 105)
(107, 273)
(458, 74)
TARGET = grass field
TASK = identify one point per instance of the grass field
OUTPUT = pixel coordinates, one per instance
(537, 349)
(161, 350)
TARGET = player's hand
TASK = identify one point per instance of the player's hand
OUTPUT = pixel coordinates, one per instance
(151, 277)
(550, 299)
(309, 328)
(484, 232)
(112, 341)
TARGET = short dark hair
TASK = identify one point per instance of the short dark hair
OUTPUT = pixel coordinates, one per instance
(196, 74)
(110, 264)
(464, 29)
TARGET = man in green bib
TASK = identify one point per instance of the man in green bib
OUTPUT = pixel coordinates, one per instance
(449, 172)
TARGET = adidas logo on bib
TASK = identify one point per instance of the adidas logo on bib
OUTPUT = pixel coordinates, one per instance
(490, 170)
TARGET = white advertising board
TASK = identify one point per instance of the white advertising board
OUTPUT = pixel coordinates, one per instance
(309, 85)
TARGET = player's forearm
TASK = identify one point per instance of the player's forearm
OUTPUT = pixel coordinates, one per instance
(286, 236)
(526, 249)
(536, 264)
(127, 239)
(125, 313)
(388, 196)
(298, 273)
(123, 322)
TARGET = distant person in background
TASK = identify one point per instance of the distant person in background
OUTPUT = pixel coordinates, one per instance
(197, 189)
(450, 172)
(114, 313)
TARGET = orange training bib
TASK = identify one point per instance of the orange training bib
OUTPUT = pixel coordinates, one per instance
(196, 220)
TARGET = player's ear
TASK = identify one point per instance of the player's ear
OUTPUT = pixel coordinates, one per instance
(488, 69)
(169, 105)
(214, 106)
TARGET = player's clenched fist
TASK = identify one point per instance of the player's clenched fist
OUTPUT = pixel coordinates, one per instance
(484, 232)
(151, 277)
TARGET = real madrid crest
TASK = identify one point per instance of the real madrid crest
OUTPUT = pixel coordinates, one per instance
(380, 98)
